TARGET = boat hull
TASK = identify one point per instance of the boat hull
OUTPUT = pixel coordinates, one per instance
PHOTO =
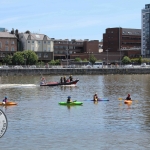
(59, 83)
(128, 102)
(71, 103)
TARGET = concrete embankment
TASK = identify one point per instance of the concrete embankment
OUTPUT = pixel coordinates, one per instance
(68, 71)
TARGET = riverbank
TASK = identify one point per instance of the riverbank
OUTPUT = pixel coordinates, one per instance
(73, 71)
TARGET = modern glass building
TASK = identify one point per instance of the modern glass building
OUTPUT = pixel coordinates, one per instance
(145, 34)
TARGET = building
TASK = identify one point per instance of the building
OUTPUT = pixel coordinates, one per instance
(8, 44)
(145, 39)
(124, 40)
(41, 44)
(64, 49)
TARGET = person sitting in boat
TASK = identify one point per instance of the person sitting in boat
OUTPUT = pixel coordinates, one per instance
(95, 97)
(64, 79)
(5, 100)
(43, 81)
(71, 78)
(61, 79)
(69, 99)
(128, 97)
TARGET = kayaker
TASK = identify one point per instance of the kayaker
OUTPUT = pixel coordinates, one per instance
(71, 78)
(64, 79)
(61, 79)
(69, 99)
(128, 97)
(5, 100)
(95, 97)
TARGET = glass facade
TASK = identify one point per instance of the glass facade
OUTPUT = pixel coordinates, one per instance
(145, 51)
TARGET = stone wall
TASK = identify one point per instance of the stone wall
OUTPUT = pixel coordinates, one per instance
(20, 72)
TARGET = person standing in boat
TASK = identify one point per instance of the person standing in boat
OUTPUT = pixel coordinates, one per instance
(71, 78)
(128, 97)
(61, 79)
(5, 100)
(95, 97)
(69, 99)
(64, 79)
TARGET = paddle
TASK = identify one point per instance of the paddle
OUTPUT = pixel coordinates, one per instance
(125, 99)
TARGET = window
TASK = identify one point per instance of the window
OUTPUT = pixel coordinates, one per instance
(28, 41)
(45, 55)
(44, 42)
(6, 48)
(12, 48)
(32, 42)
(33, 48)
(0, 45)
(6, 42)
(44, 49)
(39, 55)
(49, 49)
(12, 42)
(48, 42)
(39, 42)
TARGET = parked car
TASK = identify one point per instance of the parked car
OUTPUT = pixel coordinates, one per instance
(128, 66)
(33, 66)
(18, 67)
(143, 65)
(6, 67)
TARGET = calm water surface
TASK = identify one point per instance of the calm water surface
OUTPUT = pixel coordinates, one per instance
(38, 122)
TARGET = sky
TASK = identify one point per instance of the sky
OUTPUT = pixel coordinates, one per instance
(70, 19)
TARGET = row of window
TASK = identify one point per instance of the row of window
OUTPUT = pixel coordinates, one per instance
(40, 55)
(7, 48)
(69, 42)
(43, 49)
(48, 42)
(7, 42)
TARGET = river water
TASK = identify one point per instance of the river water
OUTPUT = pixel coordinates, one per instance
(38, 122)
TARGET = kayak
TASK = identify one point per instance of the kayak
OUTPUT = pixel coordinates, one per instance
(102, 99)
(8, 103)
(71, 103)
(128, 101)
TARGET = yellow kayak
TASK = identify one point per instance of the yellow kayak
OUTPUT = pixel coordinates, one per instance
(128, 102)
(8, 103)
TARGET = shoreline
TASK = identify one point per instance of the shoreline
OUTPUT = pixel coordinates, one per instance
(73, 71)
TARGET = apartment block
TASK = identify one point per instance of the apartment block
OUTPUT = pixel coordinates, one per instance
(145, 36)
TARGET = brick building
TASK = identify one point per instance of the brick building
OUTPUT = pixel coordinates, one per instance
(75, 48)
(128, 41)
(8, 44)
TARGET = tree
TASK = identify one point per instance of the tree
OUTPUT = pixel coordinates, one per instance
(7, 60)
(126, 60)
(18, 58)
(92, 59)
(30, 57)
(77, 59)
(52, 62)
(57, 62)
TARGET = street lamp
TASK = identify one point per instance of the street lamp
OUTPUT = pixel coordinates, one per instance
(67, 57)
(107, 56)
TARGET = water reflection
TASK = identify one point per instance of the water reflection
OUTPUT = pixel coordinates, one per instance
(38, 118)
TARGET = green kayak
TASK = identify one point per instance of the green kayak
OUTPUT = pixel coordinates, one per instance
(72, 103)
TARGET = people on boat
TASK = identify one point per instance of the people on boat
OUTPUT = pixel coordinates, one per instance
(128, 97)
(64, 79)
(69, 99)
(95, 97)
(43, 81)
(61, 80)
(71, 78)
(5, 100)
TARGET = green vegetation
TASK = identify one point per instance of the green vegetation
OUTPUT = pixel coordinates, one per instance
(92, 59)
(126, 60)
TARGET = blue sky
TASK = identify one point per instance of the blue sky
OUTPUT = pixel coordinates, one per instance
(71, 19)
